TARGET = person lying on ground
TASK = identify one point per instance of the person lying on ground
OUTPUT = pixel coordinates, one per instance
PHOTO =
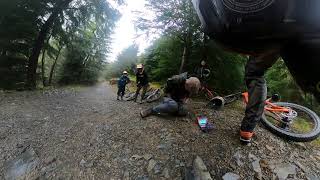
(178, 89)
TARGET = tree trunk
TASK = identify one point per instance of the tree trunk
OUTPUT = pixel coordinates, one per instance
(42, 63)
(187, 40)
(33, 59)
(53, 66)
(42, 67)
(205, 48)
(183, 60)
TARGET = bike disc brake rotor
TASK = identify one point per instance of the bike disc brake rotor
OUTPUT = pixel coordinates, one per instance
(289, 115)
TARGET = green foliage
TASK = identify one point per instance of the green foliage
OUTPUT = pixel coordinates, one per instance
(162, 59)
(91, 21)
(126, 61)
(183, 44)
(12, 72)
(279, 80)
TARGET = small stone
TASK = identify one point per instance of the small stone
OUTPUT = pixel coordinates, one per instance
(301, 145)
(237, 158)
(164, 130)
(136, 157)
(161, 146)
(19, 145)
(49, 160)
(147, 157)
(252, 157)
(187, 149)
(82, 163)
(126, 175)
(144, 177)
(89, 165)
(302, 167)
(151, 165)
(312, 177)
(165, 173)
(269, 148)
(317, 157)
(284, 170)
(157, 169)
(257, 169)
(230, 176)
(24, 166)
(200, 169)
(264, 163)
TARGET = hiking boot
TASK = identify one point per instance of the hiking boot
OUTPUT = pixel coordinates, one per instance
(147, 112)
(246, 136)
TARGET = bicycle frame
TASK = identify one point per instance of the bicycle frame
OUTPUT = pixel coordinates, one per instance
(269, 105)
(209, 93)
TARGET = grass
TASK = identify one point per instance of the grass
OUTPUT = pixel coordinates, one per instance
(316, 143)
(301, 125)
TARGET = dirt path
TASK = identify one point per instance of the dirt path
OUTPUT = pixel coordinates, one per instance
(87, 134)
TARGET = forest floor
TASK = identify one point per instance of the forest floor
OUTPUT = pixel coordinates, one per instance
(85, 133)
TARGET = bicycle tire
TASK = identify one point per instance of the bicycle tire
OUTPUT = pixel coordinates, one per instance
(129, 96)
(295, 136)
(154, 96)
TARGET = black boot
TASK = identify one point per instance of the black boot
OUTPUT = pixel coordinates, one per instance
(121, 98)
(117, 97)
(146, 113)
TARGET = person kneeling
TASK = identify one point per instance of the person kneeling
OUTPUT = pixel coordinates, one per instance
(178, 89)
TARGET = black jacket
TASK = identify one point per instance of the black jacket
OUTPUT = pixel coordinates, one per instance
(175, 87)
(142, 79)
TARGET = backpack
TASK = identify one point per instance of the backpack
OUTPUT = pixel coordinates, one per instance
(175, 81)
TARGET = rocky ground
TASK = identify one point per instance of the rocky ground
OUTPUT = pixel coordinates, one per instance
(86, 134)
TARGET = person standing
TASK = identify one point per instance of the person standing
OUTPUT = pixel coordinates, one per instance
(123, 81)
(142, 82)
(202, 71)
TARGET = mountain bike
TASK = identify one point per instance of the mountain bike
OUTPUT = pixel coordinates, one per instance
(155, 95)
(288, 120)
(208, 94)
(129, 96)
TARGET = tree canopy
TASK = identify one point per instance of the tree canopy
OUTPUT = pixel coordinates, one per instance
(52, 30)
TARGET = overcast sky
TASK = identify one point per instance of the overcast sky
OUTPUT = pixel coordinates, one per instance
(124, 33)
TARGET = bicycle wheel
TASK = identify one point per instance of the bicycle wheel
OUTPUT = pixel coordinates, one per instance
(304, 124)
(154, 96)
